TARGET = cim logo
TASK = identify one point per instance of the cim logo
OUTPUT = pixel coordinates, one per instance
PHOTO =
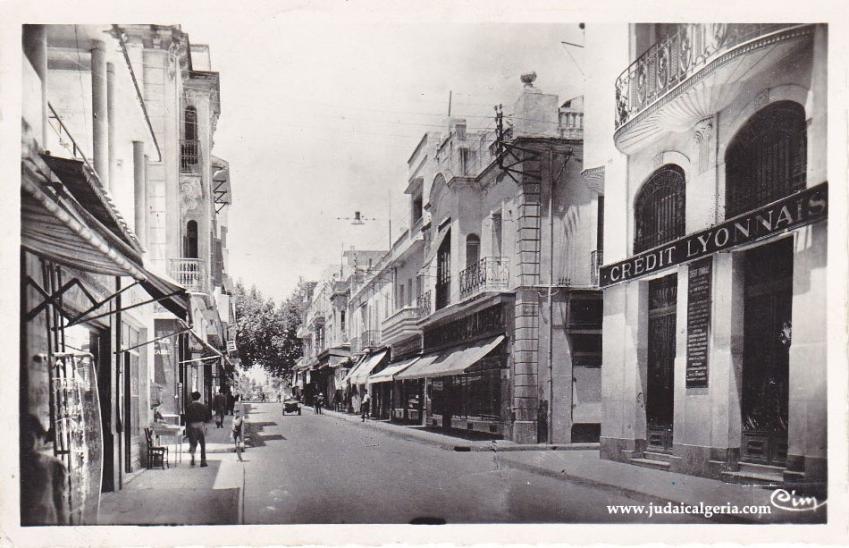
(792, 502)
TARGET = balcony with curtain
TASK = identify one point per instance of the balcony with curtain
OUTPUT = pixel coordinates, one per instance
(694, 72)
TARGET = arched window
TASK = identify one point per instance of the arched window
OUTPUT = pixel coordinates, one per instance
(767, 159)
(190, 241)
(473, 250)
(659, 208)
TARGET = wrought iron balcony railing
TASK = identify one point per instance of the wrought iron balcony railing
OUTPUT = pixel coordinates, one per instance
(596, 260)
(190, 273)
(190, 156)
(672, 60)
(488, 274)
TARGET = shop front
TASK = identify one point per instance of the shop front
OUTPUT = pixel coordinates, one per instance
(712, 344)
(82, 342)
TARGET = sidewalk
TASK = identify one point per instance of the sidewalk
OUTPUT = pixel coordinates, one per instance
(183, 494)
(452, 443)
(581, 463)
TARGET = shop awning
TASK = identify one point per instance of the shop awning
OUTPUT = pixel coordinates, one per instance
(206, 346)
(391, 370)
(453, 362)
(56, 226)
(88, 190)
(419, 369)
(360, 376)
(172, 296)
(354, 369)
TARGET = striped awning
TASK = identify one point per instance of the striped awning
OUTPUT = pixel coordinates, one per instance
(56, 226)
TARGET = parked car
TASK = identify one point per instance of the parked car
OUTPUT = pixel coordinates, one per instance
(291, 405)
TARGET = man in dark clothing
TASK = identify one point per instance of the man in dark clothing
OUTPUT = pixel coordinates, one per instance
(219, 405)
(197, 415)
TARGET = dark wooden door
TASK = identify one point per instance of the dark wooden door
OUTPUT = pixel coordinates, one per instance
(443, 272)
(767, 336)
(660, 387)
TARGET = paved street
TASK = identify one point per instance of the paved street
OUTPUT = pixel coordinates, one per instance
(323, 469)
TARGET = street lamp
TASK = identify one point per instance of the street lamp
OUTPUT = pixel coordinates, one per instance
(358, 219)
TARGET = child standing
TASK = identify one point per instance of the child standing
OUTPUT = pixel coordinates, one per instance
(238, 431)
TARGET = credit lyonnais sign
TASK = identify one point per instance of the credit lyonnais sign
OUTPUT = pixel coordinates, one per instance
(798, 209)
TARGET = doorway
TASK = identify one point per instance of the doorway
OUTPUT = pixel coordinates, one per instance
(767, 336)
(660, 391)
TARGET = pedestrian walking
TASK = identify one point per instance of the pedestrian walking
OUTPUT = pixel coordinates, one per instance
(231, 401)
(238, 431)
(318, 403)
(197, 415)
(365, 405)
(219, 406)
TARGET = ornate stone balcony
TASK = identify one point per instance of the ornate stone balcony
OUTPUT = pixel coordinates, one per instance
(190, 273)
(667, 89)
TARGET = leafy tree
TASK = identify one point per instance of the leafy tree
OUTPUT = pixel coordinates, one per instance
(266, 333)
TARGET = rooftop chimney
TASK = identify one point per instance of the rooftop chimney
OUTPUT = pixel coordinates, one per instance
(535, 113)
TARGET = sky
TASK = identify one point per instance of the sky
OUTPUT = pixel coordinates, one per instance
(319, 117)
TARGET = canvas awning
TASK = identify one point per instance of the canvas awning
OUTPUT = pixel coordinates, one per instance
(360, 376)
(354, 369)
(88, 190)
(452, 362)
(388, 374)
(56, 226)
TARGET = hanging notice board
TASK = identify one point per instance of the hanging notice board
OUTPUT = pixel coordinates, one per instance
(79, 435)
(698, 322)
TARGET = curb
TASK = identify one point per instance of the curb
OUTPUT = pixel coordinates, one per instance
(402, 432)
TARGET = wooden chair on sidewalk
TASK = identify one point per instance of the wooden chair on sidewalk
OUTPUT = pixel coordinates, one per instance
(155, 453)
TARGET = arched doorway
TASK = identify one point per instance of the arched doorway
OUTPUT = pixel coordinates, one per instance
(659, 218)
(190, 241)
(766, 161)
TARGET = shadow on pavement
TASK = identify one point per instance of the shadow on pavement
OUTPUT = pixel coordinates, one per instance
(255, 437)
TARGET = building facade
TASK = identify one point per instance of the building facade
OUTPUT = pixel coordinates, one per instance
(714, 281)
(485, 315)
(92, 293)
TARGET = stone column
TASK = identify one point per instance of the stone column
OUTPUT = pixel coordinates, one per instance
(99, 110)
(35, 47)
(110, 120)
(140, 191)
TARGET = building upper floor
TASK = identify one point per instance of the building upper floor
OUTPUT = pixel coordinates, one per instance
(744, 125)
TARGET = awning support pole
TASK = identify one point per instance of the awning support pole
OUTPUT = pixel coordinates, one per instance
(201, 359)
(49, 299)
(79, 320)
(153, 340)
(101, 303)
